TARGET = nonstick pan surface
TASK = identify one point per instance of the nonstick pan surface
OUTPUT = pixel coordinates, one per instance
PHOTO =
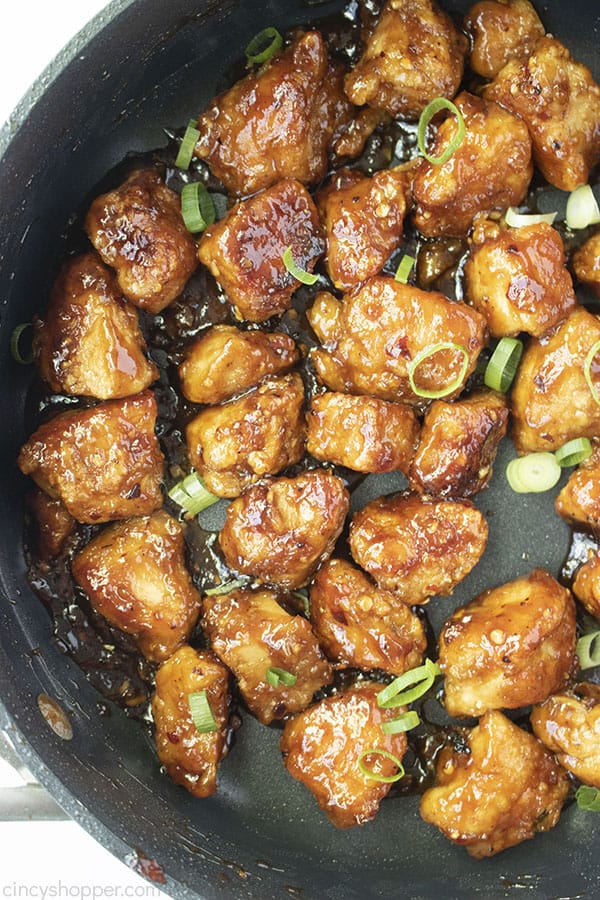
(139, 68)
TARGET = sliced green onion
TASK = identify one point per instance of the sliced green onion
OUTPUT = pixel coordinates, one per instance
(582, 208)
(191, 494)
(224, 588)
(15, 340)
(404, 269)
(588, 650)
(197, 208)
(574, 452)
(295, 270)
(503, 364)
(587, 371)
(386, 779)
(515, 219)
(588, 798)
(275, 675)
(422, 677)
(257, 52)
(186, 148)
(404, 722)
(201, 712)
(427, 115)
(533, 473)
(431, 351)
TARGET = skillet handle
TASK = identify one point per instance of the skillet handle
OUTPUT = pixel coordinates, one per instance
(29, 801)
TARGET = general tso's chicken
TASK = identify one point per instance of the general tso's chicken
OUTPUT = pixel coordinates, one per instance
(278, 122)
(504, 791)
(509, 647)
(54, 526)
(138, 229)
(586, 584)
(103, 463)
(370, 339)
(414, 55)
(568, 724)
(458, 445)
(361, 625)
(89, 341)
(579, 500)
(551, 399)
(518, 278)
(586, 263)
(251, 633)
(135, 575)
(490, 170)
(225, 361)
(363, 220)
(244, 251)
(415, 547)
(191, 757)
(501, 30)
(235, 444)
(323, 747)
(281, 530)
(560, 103)
(362, 433)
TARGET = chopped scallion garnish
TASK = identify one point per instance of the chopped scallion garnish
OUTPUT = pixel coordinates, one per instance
(533, 473)
(588, 650)
(274, 676)
(295, 270)
(15, 341)
(376, 776)
(201, 712)
(224, 588)
(503, 364)
(186, 148)
(191, 494)
(515, 219)
(431, 351)
(587, 371)
(582, 208)
(404, 722)
(574, 452)
(588, 798)
(431, 110)
(422, 677)
(197, 208)
(404, 269)
(263, 46)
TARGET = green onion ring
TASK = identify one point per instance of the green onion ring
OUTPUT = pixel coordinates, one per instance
(582, 208)
(426, 116)
(274, 676)
(15, 340)
(386, 779)
(422, 677)
(425, 354)
(588, 798)
(587, 366)
(515, 219)
(225, 588)
(404, 722)
(191, 494)
(295, 270)
(186, 148)
(201, 712)
(197, 208)
(255, 55)
(404, 269)
(574, 452)
(503, 364)
(533, 474)
(588, 650)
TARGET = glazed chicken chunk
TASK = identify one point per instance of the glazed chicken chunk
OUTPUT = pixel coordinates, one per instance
(415, 547)
(361, 625)
(504, 791)
(586, 263)
(501, 30)
(363, 219)
(491, 169)
(251, 633)
(458, 445)
(138, 229)
(225, 361)
(560, 102)
(54, 526)
(281, 530)
(568, 724)
(190, 757)
(235, 444)
(103, 463)
(135, 576)
(89, 341)
(362, 433)
(518, 278)
(278, 122)
(322, 748)
(511, 646)
(551, 399)
(244, 251)
(414, 55)
(586, 585)
(372, 337)
(579, 500)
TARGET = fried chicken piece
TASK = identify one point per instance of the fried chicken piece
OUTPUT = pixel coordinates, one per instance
(586, 584)
(54, 526)
(586, 263)
(501, 30)
(568, 724)
(579, 500)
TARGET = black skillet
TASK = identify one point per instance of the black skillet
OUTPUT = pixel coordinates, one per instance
(142, 66)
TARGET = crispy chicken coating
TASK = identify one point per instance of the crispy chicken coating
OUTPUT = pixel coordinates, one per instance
(458, 445)
(89, 341)
(244, 251)
(491, 169)
(135, 575)
(138, 229)
(103, 463)
(363, 220)
(54, 526)
(579, 500)
(506, 790)
(280, 531)
(235, 444)
(511, 646)
(371, 338)
(362, 433)
(322, 748)
(278, 122)
(501, 30)
(361, 625)
(568, 724)
(586, 263)
(414, 55)
(190, 757)
(586, 584)
(417, 547)
(251, 633)
(225, 361)
(551, 401)
(560, 102)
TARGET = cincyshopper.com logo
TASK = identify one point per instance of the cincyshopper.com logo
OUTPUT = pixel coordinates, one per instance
(60, 889)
